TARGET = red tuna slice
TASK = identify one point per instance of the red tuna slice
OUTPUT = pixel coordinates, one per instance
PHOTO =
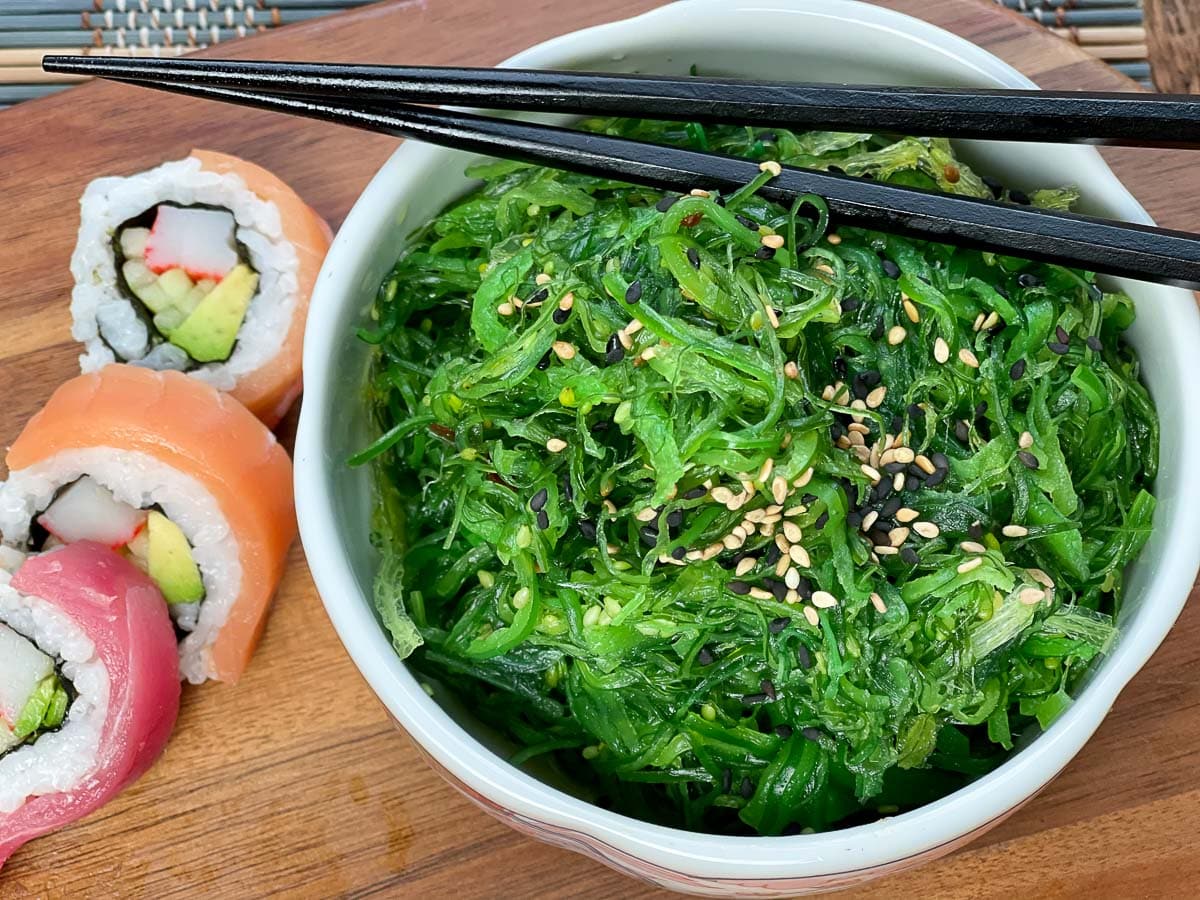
(124, 615)
(199, 241)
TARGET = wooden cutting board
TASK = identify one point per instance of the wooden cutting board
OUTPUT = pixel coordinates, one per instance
(294, 783)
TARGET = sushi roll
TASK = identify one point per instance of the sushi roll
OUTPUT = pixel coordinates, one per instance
(204, 265)
(178, 478)
(89, 685)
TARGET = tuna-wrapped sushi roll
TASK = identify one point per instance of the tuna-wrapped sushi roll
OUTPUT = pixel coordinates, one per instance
(89, 685)
(205, 266)
(177, 477)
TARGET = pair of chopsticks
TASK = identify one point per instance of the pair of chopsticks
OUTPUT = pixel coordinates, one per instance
(379, 98)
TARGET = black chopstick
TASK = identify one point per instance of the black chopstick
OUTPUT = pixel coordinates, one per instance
(1160, 120)
(1114, 248)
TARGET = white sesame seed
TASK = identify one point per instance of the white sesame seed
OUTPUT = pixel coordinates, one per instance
(856, 439)
(875, 398)
(925, 464)
(871, 473)
(517, 302)
(712, 550)
(972, 547)
(774, 241)
(967, 358)
(805, 478)
(645, 515)
(827, 393)
(898, 481)
(667, 559)
(759, 594)
(800, 557)
(612, 549)
(926, 530)
(1025, 441)
(1041, 577)
(649, 353)
(1031, 595)
(567, 301)
(699, 192)
(747, 563)
(772, 317)
(791, 370)
(610, 507)
(858, 428)
(556, 445)
(878, 603)
(906, 514)
(634, 327)
(898, 535)
(563, 349)
(781, 565)
(941, 350)
(910, 310)
(896, 334)
(811, 615)
(886, 550)
(782, 543)
(863, 454)
(792, 597)
(625, 339)
(823, 599)
(722, 494)
(756, 515)
(834, 239)
(795, 510)
(1014, 531)
(732, 541)
(591, 616)
(991, 321)
(792, 531)
(694, 555)
(970, 565)
(771, 166)
(505, 309)
(791, 578)
(542, 278)
(738, 501)
(870, 519)
(824, 268)
(779, 489)
(978, 322)
(765, 471)
(904, 455)
(739, 531)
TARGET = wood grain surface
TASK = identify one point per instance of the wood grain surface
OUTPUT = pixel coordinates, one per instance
(1173, 36)
(294, 783)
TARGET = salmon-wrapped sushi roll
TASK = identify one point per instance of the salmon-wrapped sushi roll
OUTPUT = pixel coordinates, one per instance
(175, 476)
(204, 265)
(89, 685)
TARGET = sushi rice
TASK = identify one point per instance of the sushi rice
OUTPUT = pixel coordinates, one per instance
(107, 321)
(142, 482)
(60, 760)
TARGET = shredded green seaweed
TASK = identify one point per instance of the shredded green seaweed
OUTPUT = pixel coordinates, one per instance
(747, 524)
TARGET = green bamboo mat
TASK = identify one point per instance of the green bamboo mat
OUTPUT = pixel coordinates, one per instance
(1109, 29)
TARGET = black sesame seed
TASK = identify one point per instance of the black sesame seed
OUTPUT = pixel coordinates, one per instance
(890, 508)
(909, 555)
(897, 423)
(538, 501)
(893, 467)
(679, 553)
(560, 316)
(544, 362)
(773, 554)
(915, 471)
(666, 202)
(1058, 347)
(836, 430)
(850, 304)
(779, 589)
(915, 411)
(747, 787)
(1061, 334)
(936, 478)
(962, 431)
(568, 492)
(1019, 197)
(543, 520)
(1028, 460)
(839, 366)
(911, 483)
(754, 699)
(693, 257)
(587, 529)
(803, 657)
(739, 587)
(854, 518)
(993, 185)
(881, 490)
(764, 253)
(877, 331)
(879, 536)
(808, 498)
(871, 378)
(939, 460)
(695, 493)
(649, 535)
(980, 408)
(1029, 280)
(613, 351)
(1017, 370)
(633, 293)
(821, 522)
(777, 625)
(858, 387)
(538, 296)
(726, 780)
(719, 200)
(768, 687)
(1093, 343)
(975, 531)
(705, 657)
(749, 223)
(804, 588)
(784, 731)
(813, 734)
(675, 518)
(890, 269)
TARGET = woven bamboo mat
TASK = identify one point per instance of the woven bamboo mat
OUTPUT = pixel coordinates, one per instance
(1109, 29)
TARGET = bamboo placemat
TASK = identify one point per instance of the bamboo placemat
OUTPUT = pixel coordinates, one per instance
(1109, 29)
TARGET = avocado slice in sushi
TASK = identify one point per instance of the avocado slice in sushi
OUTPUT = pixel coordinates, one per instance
(32, 698)
(209, 333)
(170, 562)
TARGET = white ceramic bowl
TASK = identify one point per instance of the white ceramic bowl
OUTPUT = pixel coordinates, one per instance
(802, 39)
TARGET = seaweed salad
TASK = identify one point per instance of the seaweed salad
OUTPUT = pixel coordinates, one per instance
(745, 523)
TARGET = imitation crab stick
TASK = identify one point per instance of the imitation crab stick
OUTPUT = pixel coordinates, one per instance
(203, 490)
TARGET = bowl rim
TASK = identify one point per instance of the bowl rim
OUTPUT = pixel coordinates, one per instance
(713, 857)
